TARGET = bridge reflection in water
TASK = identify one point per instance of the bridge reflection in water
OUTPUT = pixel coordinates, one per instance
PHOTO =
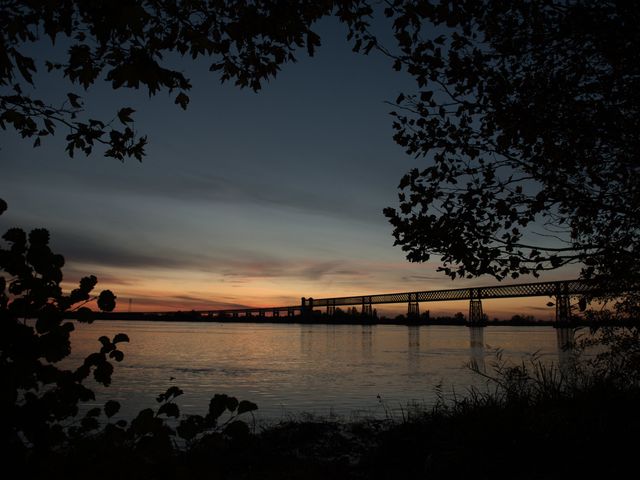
(565, 339)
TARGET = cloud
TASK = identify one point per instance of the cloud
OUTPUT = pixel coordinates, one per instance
(98, 250)
(236, 266)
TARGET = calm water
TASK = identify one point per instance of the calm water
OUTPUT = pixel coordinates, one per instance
(345, 370)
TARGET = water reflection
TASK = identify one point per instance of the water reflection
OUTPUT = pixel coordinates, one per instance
(565, 340)
(306, 340)
(294, 368)
(413, 349)
(367, 341)
(476, 348)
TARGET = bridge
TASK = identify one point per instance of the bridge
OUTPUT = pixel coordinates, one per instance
(562, 291)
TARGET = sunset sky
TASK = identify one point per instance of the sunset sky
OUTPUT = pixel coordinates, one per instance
(243, 200)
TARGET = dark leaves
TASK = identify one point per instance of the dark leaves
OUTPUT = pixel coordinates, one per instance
(182, 100)
(169, 409)
(246, 406)
(106, 301)
(501, 165)
(111, 408)
(124, 115)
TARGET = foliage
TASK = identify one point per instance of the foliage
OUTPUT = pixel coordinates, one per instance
(39, 404)
(37, 394)
(527, 114)
(131, 44)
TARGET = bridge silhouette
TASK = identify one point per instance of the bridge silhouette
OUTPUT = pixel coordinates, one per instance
(562, 291)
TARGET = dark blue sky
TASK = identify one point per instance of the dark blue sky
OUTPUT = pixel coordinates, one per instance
(244, 199)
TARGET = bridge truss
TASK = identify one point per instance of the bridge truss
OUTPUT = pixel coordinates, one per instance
(562, 291)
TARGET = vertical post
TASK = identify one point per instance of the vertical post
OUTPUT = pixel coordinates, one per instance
(367, 311)
(306, 309)
(276, 313)
(331, 307)
(476, 316)
(413, 311)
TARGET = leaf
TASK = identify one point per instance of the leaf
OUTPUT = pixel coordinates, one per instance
(232, 403)
(190, 427)
(117, 355)
(94, 412)
(120, 337)
(111, 408)
(89, 423)
(217, 405)
(124, 115)
(237, 430)
(106, 301)
(182, 100)
(73, 99)
(169, 409)
(84, 315)
(246, 406)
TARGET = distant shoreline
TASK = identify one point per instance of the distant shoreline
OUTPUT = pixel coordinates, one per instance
(323, 319)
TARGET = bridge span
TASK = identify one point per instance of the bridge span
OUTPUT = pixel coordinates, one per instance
(562, 291)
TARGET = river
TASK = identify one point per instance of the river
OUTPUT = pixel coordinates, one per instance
(349, 371)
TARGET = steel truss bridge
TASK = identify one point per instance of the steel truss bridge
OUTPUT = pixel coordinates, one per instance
(562, 291)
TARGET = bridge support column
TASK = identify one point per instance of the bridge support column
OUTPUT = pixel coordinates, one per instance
(476, 316)
(275, 313)
(563, 305)
(306, 309)
(290, 312)
(413, 310)
(367, 309)
(331, 307)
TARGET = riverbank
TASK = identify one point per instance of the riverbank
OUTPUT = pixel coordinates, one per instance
(321, 318)
(508, 433)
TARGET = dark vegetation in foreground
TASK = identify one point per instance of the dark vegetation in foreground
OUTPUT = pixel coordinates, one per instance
(533, 421)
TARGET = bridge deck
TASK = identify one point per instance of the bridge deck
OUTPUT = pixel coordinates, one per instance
(537, 289)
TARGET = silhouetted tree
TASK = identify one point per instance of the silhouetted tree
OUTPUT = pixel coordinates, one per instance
(527, 115)
(128, 44)
(37, 395)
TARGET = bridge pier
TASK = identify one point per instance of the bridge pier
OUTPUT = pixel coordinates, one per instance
(290, 312)
(306, 308)
(563, 305)
(331, 308)
(413, 310)
(275, 313)
(367, 309)
(476, 315)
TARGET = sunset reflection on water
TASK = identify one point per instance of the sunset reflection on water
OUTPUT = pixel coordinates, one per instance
(287, 369)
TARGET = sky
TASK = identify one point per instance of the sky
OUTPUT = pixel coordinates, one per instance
(244, 199)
